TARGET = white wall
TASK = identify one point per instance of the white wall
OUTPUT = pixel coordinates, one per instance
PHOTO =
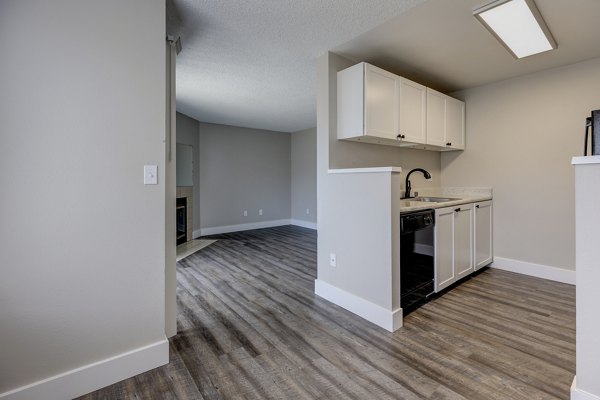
(304, 176)
(82, 109)
(243, 169)
(521, 135)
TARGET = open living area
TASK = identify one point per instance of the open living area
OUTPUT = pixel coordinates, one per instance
(386, 199)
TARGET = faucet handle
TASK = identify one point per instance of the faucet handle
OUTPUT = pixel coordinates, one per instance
(416, 194)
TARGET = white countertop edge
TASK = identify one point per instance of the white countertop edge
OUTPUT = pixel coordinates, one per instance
(364, 170)
(585, 160)
(424, 205)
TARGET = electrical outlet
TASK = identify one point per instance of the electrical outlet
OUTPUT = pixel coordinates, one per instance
(307, 211)
(260, 211)
(245, 213)
(332, 260)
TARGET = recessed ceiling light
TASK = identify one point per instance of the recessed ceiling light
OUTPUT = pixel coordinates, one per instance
(518, 25)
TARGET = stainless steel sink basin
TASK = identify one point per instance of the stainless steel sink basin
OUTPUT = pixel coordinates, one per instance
(433, 199)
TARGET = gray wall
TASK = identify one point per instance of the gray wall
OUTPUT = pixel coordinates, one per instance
(304, 175)
(188, 133)
(82, 110)
(243, 169)
(521, 135)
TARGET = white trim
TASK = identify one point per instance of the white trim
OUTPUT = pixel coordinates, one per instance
(585, 160)
(196, 234)
(537, 270)
(387, 319)
(88, 378)
(304, 224)
(578, 394)
(364, 170)
(215, 230)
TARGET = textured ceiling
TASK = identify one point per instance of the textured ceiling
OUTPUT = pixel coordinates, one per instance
(251, 63)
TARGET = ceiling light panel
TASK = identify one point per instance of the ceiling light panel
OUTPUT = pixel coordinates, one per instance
(518, 25)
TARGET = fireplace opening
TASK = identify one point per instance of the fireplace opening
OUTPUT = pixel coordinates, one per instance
(181, 220)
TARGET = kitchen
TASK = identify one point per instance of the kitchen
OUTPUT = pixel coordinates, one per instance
(521, 133)
(524, 121)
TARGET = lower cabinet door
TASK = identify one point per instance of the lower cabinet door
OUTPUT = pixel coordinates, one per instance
(444, 248)
(453, 244)
(463, 240)
(484, 241)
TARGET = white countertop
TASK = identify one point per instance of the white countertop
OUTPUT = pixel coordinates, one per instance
(460, 196)
(364, 170)
(585, 160)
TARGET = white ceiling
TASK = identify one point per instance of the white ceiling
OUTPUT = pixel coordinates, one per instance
(251, 63)
(441, 44)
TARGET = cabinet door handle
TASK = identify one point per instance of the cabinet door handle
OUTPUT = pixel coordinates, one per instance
(477, 206)
(448, 144)
(457, 210)
(400, 136)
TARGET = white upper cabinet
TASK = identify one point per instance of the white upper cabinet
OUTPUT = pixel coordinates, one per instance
(445, 121)
(381, 103)
(436, 118)
(455, 123)
(376, 106)
(413, 110)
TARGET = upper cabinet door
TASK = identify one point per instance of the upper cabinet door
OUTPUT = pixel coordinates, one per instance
(455, 123)
(413, 108)
(381, 103)
(436, 118)
(445, 121)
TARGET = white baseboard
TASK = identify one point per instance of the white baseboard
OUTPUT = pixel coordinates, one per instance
(215, 230)
(304, 224)
(387, 319)
(537, 270)
(196, 234)
(88, 378)
(578, 394)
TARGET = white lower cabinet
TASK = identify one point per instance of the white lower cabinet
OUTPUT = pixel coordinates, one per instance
(484, 243)
(453, 244)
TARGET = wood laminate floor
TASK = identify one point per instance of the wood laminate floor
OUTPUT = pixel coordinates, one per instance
(250, 327)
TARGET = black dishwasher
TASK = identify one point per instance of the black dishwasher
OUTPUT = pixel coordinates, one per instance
(416, 258)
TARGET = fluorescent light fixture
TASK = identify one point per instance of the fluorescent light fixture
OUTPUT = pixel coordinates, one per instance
(518, 25)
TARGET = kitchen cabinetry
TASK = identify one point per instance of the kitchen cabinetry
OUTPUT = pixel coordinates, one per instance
(445, 121)
(380, 114)
(483, 242)
(453, 244)
(376, 106)
(413, 109)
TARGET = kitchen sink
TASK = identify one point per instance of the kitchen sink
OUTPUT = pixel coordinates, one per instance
(433, 199)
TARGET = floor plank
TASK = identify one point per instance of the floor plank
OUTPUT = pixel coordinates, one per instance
(251, 327)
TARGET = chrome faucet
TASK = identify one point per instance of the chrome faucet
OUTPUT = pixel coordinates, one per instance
(426, 174)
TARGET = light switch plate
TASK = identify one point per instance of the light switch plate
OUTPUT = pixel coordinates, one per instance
(150, 174)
